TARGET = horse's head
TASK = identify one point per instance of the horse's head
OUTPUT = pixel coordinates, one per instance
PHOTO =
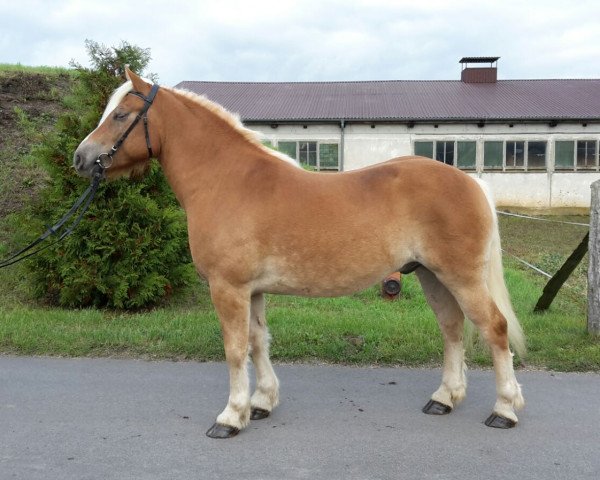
(126, 136)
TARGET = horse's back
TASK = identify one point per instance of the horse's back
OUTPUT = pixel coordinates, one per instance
(404, 185)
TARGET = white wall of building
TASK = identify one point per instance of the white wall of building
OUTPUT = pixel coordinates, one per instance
(365, 145)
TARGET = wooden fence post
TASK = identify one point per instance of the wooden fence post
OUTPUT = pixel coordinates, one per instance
(594, 268)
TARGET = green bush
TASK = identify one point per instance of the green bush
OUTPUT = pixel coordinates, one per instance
(130, 250)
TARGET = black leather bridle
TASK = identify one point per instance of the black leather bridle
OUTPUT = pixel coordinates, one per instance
(103, 162)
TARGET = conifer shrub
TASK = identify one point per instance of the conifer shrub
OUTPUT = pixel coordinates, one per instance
(130, 250)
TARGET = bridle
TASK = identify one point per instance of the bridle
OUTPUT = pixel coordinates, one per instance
(103, 162)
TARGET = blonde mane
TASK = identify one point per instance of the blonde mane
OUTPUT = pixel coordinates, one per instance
(233, 120)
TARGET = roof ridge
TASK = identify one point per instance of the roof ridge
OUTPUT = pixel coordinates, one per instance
(319, 82)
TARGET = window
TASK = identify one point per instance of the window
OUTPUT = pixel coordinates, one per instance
(317, 156)
(465, 155)
(564, 155)
(536, 155)
(515, 155)
(586, 154)
(461, 154)
(575, 155)
(307, 153)
(288, 148)
(328, 156)
(444, 152)
(424, 149)
(492, 155)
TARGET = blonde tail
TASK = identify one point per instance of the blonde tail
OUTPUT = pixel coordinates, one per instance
(497, 285)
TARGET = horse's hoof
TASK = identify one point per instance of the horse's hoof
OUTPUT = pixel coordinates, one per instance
(222, 431)
(259, 413)
(436, 408)
(497, 421)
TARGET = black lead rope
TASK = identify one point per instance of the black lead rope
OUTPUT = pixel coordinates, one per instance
(85, 199)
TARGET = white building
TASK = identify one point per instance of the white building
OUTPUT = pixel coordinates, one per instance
(534, 141)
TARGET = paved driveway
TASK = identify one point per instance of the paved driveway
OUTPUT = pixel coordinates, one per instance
(127, 419)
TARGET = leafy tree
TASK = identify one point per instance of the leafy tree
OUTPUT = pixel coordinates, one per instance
(131, 250)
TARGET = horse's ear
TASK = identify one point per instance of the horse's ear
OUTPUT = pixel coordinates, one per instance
(139, 85)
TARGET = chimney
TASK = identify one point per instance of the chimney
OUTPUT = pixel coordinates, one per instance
(486, 74)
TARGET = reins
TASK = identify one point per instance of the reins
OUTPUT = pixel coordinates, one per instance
(85, 199)
(103, 162)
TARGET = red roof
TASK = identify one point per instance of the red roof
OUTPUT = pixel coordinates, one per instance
(401, 100)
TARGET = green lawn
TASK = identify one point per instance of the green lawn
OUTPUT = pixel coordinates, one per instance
(360, 329)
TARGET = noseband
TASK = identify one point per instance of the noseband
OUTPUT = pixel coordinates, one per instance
(105, 160)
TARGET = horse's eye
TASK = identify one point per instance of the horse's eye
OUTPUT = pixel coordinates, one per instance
(120, 115)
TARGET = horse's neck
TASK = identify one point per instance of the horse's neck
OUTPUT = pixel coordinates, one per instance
(202, 152)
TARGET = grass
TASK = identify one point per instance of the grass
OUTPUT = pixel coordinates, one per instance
(547, 245)
(18, 68)
(359, 329)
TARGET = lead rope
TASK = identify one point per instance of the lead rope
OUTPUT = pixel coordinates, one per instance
(85, 199)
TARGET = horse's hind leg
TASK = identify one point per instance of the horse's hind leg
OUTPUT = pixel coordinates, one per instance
(266, 396)
(478, 305)
(450, 318)
(233, 308)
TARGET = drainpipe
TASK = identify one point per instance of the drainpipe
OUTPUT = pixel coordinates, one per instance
(342, 127)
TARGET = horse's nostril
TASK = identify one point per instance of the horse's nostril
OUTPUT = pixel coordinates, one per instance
(78, 161)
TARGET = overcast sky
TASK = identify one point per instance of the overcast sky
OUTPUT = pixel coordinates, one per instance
(281, 40)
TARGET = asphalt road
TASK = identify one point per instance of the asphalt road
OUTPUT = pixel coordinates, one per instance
(128, 419)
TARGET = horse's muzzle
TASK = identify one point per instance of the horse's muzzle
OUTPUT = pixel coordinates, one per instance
(84, 160)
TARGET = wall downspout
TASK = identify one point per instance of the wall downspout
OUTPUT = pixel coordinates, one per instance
(342, 127)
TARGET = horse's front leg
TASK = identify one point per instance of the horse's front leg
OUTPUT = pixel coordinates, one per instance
(233, 308)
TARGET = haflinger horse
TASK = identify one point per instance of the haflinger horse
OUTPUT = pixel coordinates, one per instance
(259, 224)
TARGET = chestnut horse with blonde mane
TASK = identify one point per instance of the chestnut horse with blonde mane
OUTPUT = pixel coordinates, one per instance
(259, 224)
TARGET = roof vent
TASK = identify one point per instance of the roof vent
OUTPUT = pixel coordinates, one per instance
(487, 74)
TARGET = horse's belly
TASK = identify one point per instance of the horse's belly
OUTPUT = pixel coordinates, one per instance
(324, 279)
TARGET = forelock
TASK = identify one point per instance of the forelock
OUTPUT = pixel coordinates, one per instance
(116, 98)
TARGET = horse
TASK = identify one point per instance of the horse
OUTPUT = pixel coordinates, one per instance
(259, 224)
